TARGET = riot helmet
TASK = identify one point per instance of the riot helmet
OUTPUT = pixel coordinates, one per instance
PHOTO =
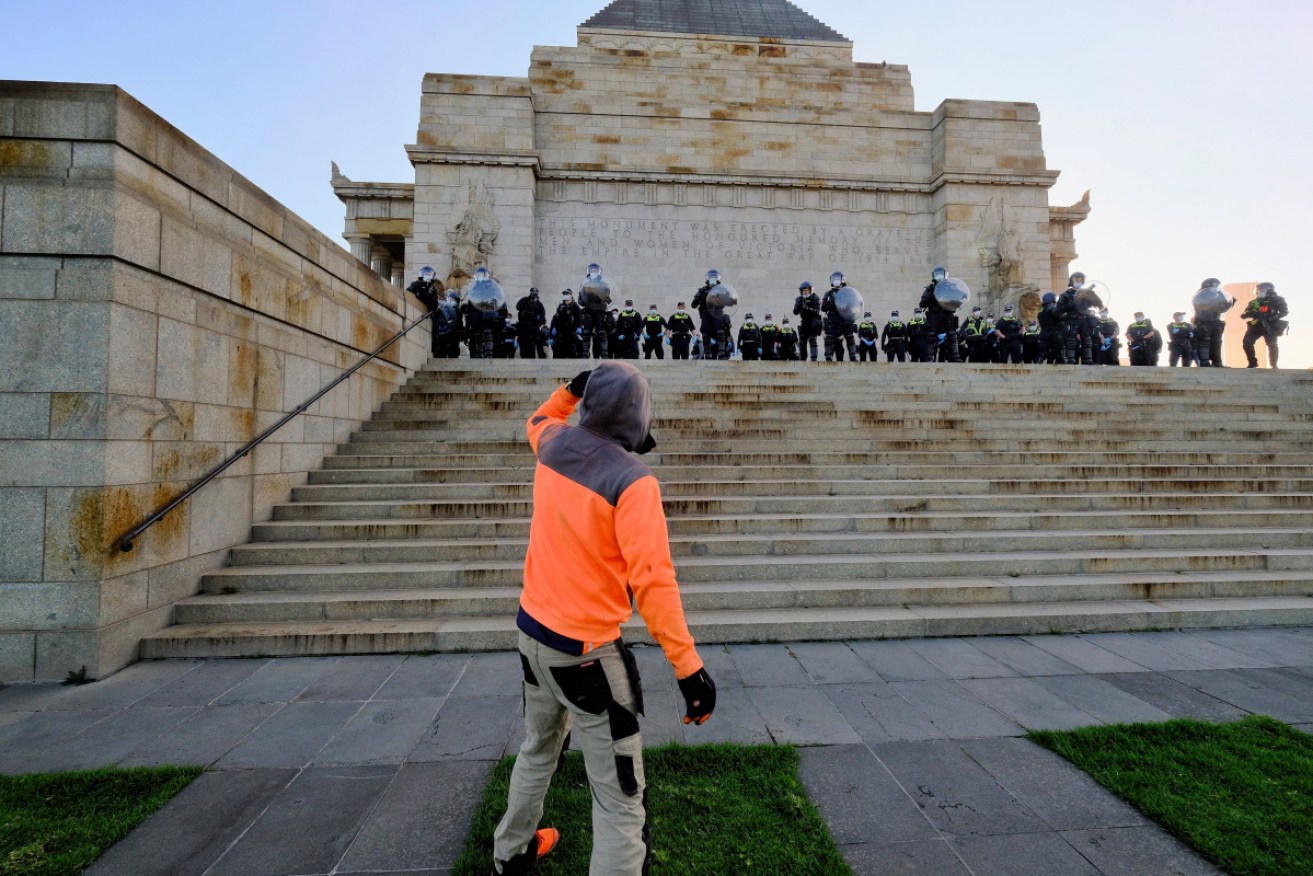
(1265, 290)
(426, 274)
(533, 291)
(940, 273)
(837, 279)
(1211, 283)
(713, 277)
(1177, 316)
(1049, 298)
(594, 270)
(804, 286)
(1076, 280)
(1103, 314)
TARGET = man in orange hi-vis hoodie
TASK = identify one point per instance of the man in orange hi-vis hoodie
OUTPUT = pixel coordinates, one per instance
(598, 539)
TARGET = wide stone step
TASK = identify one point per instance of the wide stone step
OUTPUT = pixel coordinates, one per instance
(675, 489)
(485, 573)
(715, 506)
(524, 467)
(497, 602)
(1055, 524)
(762, 625)
(474, 549)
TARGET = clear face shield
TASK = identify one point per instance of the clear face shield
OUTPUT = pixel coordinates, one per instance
(713, 278)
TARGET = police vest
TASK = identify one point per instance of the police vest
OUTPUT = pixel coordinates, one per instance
(681, 323)
(974, 326)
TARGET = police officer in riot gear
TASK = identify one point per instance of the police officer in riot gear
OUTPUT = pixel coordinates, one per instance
(1050, 329)
(428, 289)
(770, 339)
(1210, 302)
(715, 326)
(654, 334)
(838, 326)
(868, 335)
(749, 339)
(1266, 316)
(567, 328)
(893, 340)
(1007, 336)
(1110, 340)
(531, 318)
(1077, 344)
(941, 324)
(807, 307)
(593, 329)
(1180, 343)
(628, 325)
(680, 325)
(787, 351)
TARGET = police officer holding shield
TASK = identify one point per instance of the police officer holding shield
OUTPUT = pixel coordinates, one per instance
(1210, 302)
(715, 325)
(841, 313)
(532, 317)
(594, 296)
(940, 320)
(1266, 316)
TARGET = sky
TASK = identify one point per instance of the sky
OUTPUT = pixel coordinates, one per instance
(1190, 122)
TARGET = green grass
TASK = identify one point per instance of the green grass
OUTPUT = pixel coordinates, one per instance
(1241, 794)
(714, 810)
(56, 824)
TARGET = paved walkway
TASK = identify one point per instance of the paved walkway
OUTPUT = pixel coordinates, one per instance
(912, 750)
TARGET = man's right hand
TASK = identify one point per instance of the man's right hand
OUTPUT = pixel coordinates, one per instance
(699, 696)
(576, 386)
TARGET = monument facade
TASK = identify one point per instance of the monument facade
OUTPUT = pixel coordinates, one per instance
(679, 137)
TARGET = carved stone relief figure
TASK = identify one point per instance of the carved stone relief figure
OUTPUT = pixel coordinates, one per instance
(1002, 254)
(475, 234)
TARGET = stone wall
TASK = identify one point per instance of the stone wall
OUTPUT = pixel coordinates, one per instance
(157, 310)
(663, 155)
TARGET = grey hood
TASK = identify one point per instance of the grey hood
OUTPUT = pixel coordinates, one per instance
(617, 403)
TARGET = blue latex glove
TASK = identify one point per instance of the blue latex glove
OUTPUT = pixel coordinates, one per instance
(667, 342)
(941, 338)
(621, 337)
(551, 342)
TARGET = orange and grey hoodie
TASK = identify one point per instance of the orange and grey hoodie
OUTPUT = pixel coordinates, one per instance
(598, 534)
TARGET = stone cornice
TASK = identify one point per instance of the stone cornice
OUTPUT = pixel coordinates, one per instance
(429, 155)
(384, 191)
(1045, 178)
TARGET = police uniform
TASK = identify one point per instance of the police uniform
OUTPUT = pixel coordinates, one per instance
(750, 339)
(788, 343)
(1111, 342)
(807, 307)
(628, 325)
(681, 333)
(868, 334)
(1140, 337)
(893, 340)
(532, 317)
(1008, 339)
(1267, 320)
(838, 329)
(770, 340)
(919, 342)
(973, 333)
(1032, 344)
(654, 335)
(1180, 344)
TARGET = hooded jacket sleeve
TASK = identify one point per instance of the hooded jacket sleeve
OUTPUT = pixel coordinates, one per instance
(553, 412)
(640, 525)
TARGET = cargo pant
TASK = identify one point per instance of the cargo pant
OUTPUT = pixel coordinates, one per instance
(592, 697)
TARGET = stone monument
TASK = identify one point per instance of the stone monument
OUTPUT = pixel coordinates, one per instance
(674, 138)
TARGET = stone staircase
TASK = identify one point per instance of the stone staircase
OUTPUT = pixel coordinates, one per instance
(808, 502)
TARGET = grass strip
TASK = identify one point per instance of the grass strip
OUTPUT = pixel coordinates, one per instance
(56, 824)
(1240, 793)
(714, 809)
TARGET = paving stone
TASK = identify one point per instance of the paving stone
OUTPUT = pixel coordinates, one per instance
(920, 858)
(1293, 684)
(205, 737)
(897, 661)
(955, 711)
(736, 719)
(664, 718)
(1023, 657)
(204, 684)
(30, 697)
(186, 836)
(833, 663)
(656, 671)
(22, 741)
(858, 798)
(1038, 854)
(802, 716)
(107, 742)
(1030, 705)
(1063, 796)
(381, 732)
(954, 791)
(356, 679)
(422, 820)
(1105, 702)
(1211, 654)
(426, 677)
(1249, 693)
(1173, 697)
(768, 666)
(309, 826)
(959, 658)
(470, 728)
(291, 738)
(491, 675)
(1278, 647)
(877, 712)
(125, 687)
(1139, 850)
(280, 680)
(7, 718)
(1153, 654)
(720, 666)
(1083, 654)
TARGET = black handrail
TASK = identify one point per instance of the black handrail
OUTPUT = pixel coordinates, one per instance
(125, 543)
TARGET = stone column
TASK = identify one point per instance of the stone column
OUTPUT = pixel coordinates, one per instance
(361, 246)
(381, 263)
(398, 275)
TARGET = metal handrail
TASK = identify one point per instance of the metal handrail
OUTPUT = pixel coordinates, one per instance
(125, 543)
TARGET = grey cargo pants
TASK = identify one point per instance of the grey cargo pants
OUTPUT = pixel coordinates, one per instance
(593, 694)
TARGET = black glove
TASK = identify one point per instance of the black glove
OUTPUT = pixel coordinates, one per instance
(699, 696)
(577, 385)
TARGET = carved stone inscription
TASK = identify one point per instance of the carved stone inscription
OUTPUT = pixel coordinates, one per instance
(760, 244)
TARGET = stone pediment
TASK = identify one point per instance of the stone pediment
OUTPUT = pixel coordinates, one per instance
(771, 19)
